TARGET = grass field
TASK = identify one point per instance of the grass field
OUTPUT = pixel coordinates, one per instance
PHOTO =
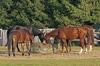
(9, 61)
(50, 62)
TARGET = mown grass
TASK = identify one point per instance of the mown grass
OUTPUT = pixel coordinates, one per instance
(50, 62)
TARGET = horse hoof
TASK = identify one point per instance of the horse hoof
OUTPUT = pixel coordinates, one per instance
(14, 55)
(8, 54)
(29, 54)
(18, 50)
(85, 53)
(22, 54)
(79, 53)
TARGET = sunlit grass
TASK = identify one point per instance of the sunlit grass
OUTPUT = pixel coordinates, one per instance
(50, 62)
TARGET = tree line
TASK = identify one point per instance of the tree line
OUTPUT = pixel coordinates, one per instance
(48, 13)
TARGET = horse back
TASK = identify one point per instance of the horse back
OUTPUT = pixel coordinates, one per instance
(20, 36)
(68, 32)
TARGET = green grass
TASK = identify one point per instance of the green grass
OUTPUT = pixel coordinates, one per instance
(50, 62)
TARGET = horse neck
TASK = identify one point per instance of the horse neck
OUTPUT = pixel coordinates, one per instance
(53, 33)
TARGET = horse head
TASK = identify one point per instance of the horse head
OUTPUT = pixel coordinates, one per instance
(41, 37)
(46, 38)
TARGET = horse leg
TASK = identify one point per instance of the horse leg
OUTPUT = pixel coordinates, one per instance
(82, 45)
(85, 46)
(69, 41)
(62, 48)
(9, 49)
(22, 47)
(13, 48)
(64, 44)
(27, 46)
(53, 48)
(18, 48)
(90, 46)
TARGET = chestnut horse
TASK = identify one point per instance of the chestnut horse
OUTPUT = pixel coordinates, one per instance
(19, 36)
(90, 28)
(54, 34)
(70, 33)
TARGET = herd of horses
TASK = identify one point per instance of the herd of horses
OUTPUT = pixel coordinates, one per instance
(25, 34)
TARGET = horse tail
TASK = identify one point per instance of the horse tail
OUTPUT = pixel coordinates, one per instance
(88, 37)
(9, 42)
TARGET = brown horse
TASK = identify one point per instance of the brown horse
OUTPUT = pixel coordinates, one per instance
(90, 28)
(70, 33)
(54, 34)
(19, 36)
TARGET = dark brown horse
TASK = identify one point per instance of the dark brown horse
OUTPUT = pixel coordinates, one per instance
(19, 36)
(70, 33)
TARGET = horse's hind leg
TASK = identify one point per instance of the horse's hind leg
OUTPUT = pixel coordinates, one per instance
(69, 43)
(9, 49)
(18, 48)
(64, 44)
(90, 46)
(85, 43)
(82, 45)
(13, 48)
(22, 47)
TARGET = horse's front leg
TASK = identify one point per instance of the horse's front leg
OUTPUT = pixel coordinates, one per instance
(62, 48)
(85, 46)
(82, 45)
(27, 46)
(64, 43)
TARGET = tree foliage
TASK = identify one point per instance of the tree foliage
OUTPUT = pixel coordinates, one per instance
(48, 13)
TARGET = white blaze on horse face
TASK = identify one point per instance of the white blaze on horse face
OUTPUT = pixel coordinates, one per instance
(81, 51)
(90, 48)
